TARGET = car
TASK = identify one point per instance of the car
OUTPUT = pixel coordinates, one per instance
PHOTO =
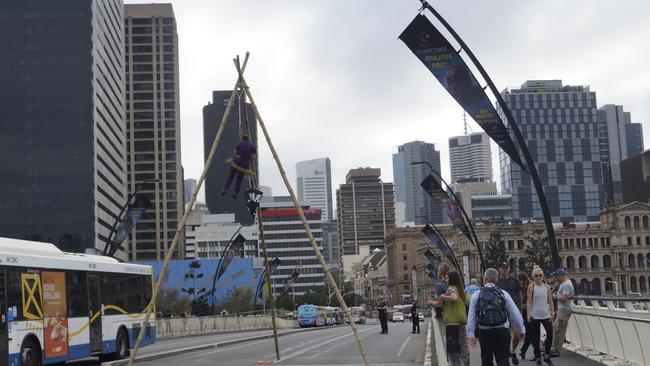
(421, 316)
(398, 317)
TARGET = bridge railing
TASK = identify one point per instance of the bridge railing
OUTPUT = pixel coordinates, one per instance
(176, 327)
(611, 329)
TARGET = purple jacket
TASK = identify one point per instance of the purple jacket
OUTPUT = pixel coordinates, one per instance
(244, 150)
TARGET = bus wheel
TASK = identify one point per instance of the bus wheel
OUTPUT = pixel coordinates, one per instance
(121, 345)
(30, 353)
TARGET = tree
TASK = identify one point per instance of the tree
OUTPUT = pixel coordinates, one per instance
(170, 303)
(496, 251)
(538, 252)
(240, 300)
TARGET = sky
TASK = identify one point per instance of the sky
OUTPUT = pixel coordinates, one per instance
(331, 79)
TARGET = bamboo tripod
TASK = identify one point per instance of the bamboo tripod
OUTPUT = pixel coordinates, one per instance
(241, 84)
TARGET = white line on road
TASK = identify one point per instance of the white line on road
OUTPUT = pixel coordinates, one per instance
(401, 349)
(298, 353)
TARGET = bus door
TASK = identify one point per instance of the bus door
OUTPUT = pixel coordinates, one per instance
(95, 313)
(3, 320)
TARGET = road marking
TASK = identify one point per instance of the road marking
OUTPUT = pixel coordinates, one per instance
(401, 349)
(298, 353)
(197, 357)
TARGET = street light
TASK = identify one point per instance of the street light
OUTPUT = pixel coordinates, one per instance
(254, 197)
(460, 207)
(111, 244)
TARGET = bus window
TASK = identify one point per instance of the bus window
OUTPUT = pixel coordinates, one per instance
(78, 290)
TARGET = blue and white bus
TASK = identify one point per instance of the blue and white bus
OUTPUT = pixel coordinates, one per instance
(318, 316)
(57, 306)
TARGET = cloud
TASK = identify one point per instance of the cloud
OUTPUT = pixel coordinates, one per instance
(332, 79)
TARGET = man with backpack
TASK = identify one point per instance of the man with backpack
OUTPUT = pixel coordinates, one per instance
(492, 312)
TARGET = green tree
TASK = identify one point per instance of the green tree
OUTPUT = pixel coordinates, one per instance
(171, 303)
(495, 253)
(538, 252)
(240, 300)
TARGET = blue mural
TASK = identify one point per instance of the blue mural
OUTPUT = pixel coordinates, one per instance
(184, 275)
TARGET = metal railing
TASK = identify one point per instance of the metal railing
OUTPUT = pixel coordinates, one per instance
(611, 329)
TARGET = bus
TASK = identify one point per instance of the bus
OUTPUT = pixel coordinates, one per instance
(57, 306)
(318, 316)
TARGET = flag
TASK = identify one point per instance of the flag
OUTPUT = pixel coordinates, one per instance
(133, 215)
(289, 281)
(449, 205)
(439, 242)
(273, 266)
(232, 250)
(444, 62)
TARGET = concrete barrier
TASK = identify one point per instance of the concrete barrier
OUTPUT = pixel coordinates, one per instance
(178, 327)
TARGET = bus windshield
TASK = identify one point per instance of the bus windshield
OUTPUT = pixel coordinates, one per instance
(306, 310)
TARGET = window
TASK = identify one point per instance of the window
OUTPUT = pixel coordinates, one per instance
(130, 292)
(77, 288)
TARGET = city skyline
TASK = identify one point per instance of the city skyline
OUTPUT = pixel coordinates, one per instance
(294, 126)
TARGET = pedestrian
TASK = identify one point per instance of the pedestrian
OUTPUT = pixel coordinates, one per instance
(455, 319)
(524, 281)
(382, 310)
(564, 309)
(471, 288)
(510, 284)
(441, 286)
(245, 151)
(415, 318)
(493, 312)
(540, 311)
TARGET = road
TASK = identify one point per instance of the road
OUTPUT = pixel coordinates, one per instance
(327, 346)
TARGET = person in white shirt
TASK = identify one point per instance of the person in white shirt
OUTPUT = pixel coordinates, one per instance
(564, 309)
(492, 313)
(540, 312)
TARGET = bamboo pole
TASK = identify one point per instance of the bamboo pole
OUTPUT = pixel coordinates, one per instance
(260, 224)
(181, 225)
(328, 274)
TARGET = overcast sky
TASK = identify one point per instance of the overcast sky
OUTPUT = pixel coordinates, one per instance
(331, 78)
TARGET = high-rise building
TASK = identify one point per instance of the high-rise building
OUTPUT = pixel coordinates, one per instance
(194, 221)
(153, 127)
(624, 140)
(562, 131)
(365, 210)
(331, 245)
(63, 140)
(216, 232)
(189, 185)
(218, 171)
(286, 239)
(635, 174)
(420, 207)
(314, 184)
(470, 157)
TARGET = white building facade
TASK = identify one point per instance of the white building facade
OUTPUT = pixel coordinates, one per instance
(470, 157)
(314, 183)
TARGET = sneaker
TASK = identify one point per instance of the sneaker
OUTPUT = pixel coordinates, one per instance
(223, 193)
(522, 355)
(234, 195)
(547, 359)
(538, 361)
(554, 354)
(513, 357)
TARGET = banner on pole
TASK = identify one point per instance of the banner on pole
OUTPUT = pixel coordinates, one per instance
(132, 217)
(449, 205)
(445, 63)
(232, 251)
(438, 241)
(290, 281)
(273, 266)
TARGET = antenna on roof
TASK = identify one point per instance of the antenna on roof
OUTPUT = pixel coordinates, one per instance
(465, 121)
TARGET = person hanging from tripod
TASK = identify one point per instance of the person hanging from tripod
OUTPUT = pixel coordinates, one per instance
(245, 152)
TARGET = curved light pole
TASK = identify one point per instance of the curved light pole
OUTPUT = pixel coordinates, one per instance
(530, 164)
(111, 237)
(474, 238)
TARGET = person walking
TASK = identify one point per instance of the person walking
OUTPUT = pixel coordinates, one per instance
(493, 312)
(471, 288)
(564, 309)
(540, 311)
(510, 284)
(415, 318)
(455, 319)
(382, 311)
(524, 281)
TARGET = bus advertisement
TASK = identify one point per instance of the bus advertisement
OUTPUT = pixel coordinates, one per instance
(57, 306)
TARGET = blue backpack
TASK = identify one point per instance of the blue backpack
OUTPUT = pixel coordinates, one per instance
(491, 307)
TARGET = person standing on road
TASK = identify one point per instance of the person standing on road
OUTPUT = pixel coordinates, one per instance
(455, 319)
(524, 281)
(382, 310)
(415, 318)
(564, 309)
(510, 284)
(493, 312)
(540, 311)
